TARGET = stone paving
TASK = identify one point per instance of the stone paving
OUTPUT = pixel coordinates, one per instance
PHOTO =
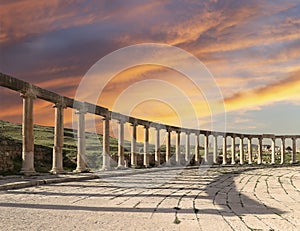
(227, 198)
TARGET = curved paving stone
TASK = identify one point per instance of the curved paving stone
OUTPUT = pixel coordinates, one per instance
(228, 198)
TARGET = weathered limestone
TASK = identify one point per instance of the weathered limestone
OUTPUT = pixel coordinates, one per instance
(224, 149)
(177, 151)
(105, 151)
(121, 163)
(27, 134)
(215, 155)
(259, 150)
(146, 146)
(242, 150)
(250, 150)
(168, 147)
(206, 148)
(187, 147)
(57, 161)
(197, 148)
(81, 155)
(133, 146)
(233, 149)
(294, 150)
(157, 147)
(273, 151)
(282, 151)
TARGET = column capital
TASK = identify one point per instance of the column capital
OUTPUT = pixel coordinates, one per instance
(28, 94)
(120, 121)
(82, 109)
(134, 123)
(60, 103)
(168, 129)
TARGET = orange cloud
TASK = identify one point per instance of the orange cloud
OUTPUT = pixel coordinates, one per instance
(286, 89)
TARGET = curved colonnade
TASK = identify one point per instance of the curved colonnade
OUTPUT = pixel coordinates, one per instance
(30, 92)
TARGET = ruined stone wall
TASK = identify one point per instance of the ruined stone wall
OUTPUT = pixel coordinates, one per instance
(11, 156)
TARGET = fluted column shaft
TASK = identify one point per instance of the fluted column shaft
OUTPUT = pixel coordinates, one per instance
(215, 149)
(282, 151)
(27, 135)
(241, 150)
(224, 149)
(121, 163)
(259, 157)
(294, 151)
(157, 147)
(57, 161)
(250, 150)
(197, 148)
(168, 147)
(233, 150)
(146, 146)
(133, 146)
(273, 151)
(177, 152)
(81, 153)
(106, 150)
(206, 148)
(187, 147)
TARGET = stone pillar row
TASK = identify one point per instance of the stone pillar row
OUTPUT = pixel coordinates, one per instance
(57, 165)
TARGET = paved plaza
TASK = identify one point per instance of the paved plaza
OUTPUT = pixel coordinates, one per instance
(227, 198)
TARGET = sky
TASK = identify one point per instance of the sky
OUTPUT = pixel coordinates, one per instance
(251, 48)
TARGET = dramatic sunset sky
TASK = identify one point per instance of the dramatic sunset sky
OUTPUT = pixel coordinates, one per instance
(251, 48)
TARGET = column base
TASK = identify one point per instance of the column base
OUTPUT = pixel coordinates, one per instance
(28, 172)
(121, 167)
(57, 171)
(106, 168)
(80, 170)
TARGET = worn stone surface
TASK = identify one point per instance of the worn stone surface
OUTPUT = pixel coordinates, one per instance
(230, 198)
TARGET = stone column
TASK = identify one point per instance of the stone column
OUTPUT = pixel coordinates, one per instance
(81, 156)
(206, 148)
(168, 147)
(282, 151)
(178, 154)
(146, 146)
(273, 151)
(259, 157)
(242, 150)
(197, 148)
(187, 147)
(105, 151)
(293, 160)
(27, 134)
(133, 146)
(233, 150)
(215, 149)
(249, 150)
(224, 149)
(157, 147)
(121, 163)
(57, 161)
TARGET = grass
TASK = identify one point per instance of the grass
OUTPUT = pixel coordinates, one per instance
(44, 138)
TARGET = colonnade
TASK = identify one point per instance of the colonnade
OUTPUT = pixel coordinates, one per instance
(30, 92)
